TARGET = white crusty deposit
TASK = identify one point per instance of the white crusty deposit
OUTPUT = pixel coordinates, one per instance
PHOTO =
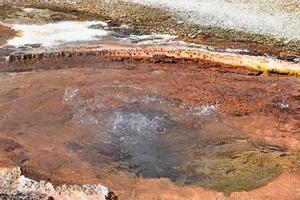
(14, 185)
(269, 17)
(52, 34)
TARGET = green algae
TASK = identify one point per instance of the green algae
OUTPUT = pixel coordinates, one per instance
(241, 171)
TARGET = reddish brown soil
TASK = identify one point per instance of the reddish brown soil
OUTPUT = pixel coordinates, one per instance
(36, 124)
(5, 34)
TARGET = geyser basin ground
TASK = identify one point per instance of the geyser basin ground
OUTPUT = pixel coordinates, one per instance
(264, 26)
(203, 127)
(153, 130)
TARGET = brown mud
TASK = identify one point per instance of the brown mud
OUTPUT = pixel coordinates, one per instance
(153, 130)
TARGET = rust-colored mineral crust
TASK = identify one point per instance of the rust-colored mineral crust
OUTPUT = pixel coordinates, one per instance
(70, 125)
(149, 116)
(167, 54)
(5, 34)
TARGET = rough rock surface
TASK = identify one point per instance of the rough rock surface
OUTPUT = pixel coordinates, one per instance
(14, 185)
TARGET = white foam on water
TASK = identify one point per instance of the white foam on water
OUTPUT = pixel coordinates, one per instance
(204, 110)
(53, 34)
(269, 17)
(81, 113)
(137, 123)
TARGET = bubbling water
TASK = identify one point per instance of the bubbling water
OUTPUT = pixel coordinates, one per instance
(150, 135)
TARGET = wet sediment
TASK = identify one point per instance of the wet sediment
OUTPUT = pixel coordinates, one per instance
(127, 123)
(150, 121)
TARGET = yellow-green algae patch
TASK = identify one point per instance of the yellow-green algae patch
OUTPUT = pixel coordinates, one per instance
(243, 171)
